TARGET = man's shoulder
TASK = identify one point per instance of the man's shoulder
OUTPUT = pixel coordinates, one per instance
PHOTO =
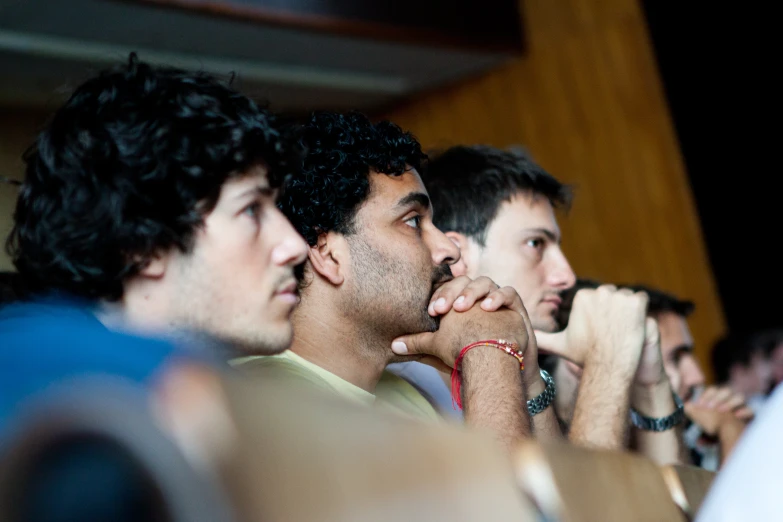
(278, 367)
(63, 322)
(399, 394)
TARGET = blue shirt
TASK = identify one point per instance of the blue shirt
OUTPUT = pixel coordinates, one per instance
(49, 340)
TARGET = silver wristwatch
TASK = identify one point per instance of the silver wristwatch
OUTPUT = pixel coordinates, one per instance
(661, 423)
(538, 404)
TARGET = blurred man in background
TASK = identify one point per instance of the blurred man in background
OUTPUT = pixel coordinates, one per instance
(717, 416)
(745, 364)
(671, 313)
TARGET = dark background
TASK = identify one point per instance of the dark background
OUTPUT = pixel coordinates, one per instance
(719, 65)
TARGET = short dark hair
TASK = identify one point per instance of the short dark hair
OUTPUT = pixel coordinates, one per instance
(129, 166)
(659, 302)
(341, 150)
(467, 185)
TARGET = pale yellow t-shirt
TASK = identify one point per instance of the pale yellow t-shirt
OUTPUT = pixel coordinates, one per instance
(392, 393)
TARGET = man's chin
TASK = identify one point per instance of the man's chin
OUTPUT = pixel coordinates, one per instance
(273, 340)
(544, 324)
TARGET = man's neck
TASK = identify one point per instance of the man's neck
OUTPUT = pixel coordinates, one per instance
(136, 314)
(330, 341)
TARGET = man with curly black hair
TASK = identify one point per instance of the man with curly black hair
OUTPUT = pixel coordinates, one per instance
(377, 286)
(149, 202)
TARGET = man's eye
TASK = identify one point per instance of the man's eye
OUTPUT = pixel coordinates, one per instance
(253, 210)
(413, 222)
(536, 243)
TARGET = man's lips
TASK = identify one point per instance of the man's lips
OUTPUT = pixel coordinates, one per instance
(554, 300)
(288, 292)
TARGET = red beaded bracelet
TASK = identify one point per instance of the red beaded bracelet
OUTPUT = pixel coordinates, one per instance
(507, 346)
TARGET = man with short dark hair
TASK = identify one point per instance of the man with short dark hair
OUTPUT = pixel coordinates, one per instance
(499, 207)
(671, 314)
(377, 285)
(716, 414)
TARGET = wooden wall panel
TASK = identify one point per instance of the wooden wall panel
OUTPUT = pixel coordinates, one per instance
(17, 130)
(588, 103)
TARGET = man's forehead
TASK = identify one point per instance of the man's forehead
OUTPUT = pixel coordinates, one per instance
(674, 329)
(526, 212)
(256, 177)
(388, 190)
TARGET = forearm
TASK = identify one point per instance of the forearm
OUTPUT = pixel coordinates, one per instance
(545, 424)
(662, 447)
(601, 412)
(492, 391)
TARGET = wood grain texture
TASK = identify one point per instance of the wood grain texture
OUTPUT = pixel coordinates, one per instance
(587, 101)
(575, 484)
(17, 129)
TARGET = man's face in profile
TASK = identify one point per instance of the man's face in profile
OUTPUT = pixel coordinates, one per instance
(681, 366)
(397, 257)
(522, 250)
(237, 283)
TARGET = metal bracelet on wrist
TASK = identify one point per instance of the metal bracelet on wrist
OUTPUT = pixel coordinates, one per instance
(661, 423)
(538, 404)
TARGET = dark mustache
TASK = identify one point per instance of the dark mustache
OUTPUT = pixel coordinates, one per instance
(442, 274)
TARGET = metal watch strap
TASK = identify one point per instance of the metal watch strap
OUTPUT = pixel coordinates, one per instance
(662, 423)
(538, 404)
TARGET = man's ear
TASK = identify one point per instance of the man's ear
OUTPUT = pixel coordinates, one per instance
(156, 266)
(328, 256)
(462, 266)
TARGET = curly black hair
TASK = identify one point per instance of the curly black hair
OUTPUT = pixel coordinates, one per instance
(341, 150)
(468, 184)
(130, 166)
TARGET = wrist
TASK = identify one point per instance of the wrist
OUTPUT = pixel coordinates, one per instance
(475, 364)
(534, 383)
(653, 400)
(488, 355)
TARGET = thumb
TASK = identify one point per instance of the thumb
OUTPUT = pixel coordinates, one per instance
(554, 343)
(652, 335)
(413, 344)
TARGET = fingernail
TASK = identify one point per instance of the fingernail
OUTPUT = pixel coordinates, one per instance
(399, 348)
(440, 302)
(486, 302)
(459, 299)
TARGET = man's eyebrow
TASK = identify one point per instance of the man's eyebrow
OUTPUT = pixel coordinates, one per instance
(417, 198)
(680, 351)
(544, 232)
(256, 191)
